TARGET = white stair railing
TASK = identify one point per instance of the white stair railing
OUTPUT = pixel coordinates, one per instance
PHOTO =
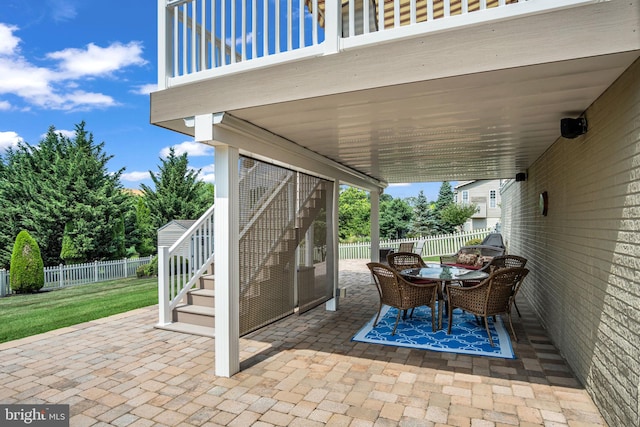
(182, 264)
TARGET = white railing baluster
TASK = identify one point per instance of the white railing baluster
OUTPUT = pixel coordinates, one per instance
(352, 18)
(465, 6)
(223, 32)
(429, 10)
(396, 13)
(203, 34)
(277, 33)
(447, 8)
(194, 38)
(265, 26)
(289, 26)
(301, 15)
(232, 37)
(243, 16)
(314, 26)
(185, 47)
(254, 29)
(366, 17)
(176, 45)
(413, 11)
(483, 4)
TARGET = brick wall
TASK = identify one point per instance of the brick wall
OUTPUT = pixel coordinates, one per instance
(584, 255)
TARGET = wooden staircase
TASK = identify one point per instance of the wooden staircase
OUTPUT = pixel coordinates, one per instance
(195, 314)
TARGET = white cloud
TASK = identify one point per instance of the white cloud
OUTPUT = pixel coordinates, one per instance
(135, 176)
(96, 61)
(63, 10)
(5, 106)
(145, 89)
(64, 132)
(8, 42)
(208, 177)
(192, 148)
(9, 139)
(400, 184)
(60, 87)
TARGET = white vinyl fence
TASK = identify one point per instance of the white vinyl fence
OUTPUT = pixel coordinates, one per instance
(79, 274)
(445, 244)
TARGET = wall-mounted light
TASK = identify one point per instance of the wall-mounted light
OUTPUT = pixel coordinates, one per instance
(521, 177)
(573, 128)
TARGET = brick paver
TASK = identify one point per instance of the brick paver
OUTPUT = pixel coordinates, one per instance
(301, 371)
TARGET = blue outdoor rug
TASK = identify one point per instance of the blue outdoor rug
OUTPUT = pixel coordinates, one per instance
(467, 335)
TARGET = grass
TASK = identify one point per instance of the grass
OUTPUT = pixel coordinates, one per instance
(24, 315)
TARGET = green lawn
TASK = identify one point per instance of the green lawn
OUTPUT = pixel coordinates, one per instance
(30, 314)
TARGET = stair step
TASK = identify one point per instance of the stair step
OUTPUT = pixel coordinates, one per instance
(203, 297)
(207, 281)
(195, 315)
(186, 328)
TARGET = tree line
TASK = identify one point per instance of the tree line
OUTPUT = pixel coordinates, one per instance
(401, 218)
(62, 193)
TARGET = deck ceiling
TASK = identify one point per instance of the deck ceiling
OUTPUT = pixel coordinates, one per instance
(479, 126)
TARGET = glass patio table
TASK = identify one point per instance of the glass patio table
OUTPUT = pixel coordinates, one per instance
(443, 274)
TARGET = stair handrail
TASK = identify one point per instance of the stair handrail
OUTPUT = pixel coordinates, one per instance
(291, 225)
(179, 269)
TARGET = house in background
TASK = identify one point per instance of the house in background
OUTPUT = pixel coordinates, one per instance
(305, 96)
(485, 194)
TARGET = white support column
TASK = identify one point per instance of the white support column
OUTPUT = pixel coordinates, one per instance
(333, 194)
(227, 280)
(375, 225)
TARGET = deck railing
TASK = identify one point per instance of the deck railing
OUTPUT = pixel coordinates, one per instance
(215, 37)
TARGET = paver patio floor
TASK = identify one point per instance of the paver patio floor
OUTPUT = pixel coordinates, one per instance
(301, 371)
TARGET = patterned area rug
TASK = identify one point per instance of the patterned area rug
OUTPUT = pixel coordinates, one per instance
(467, 335)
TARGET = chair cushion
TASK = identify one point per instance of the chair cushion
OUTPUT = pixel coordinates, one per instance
(466, 259)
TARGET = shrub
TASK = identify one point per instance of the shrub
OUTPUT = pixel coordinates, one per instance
(26, 273)
(473, 242)
(148, 270)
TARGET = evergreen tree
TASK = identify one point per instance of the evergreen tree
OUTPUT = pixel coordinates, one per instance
(445, 196)
(146, 243)
(62, 181)
(178, 193)
(425, 221)
(395, 218)
(26, 273)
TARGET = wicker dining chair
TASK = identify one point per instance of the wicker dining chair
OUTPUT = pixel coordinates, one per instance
(401, 294)
(506, 261)
(491, 297)
(406, 247)
(403, 260)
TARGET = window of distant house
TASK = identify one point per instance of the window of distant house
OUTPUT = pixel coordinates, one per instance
(465, 197)
(492, 198)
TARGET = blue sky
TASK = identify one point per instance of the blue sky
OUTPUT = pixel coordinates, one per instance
(67, 61)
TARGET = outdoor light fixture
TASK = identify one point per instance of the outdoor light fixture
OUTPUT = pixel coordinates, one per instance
(521, 177)
(573, 128)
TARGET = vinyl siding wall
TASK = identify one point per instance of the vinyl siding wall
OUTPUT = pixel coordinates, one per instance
(584, 255)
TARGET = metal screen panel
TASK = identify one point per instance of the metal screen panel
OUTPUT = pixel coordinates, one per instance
(313, 286)
(267, 243)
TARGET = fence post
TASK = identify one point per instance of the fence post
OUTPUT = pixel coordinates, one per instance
(95, 271)
(60, 276)
(163, 286)
(126, 270)
(3, 281)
